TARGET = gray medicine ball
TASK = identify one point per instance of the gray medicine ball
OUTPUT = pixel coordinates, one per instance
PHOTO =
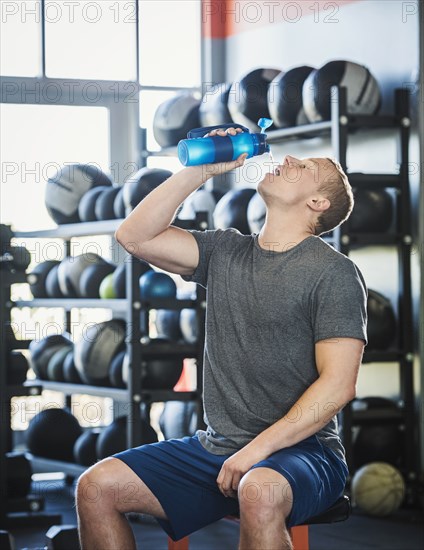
(256, 212)
(363, 92)
(41, 351)
(67, 186)
(200, 201)
(94, 352)
(175, 117)
(71, 269)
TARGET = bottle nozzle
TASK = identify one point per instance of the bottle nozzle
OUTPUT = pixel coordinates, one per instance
(264, 123)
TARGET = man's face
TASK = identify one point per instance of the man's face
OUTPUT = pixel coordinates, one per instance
(295, 180)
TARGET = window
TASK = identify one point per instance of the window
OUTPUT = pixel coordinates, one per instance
(170, 34)
(91, 40)
(20, 38)
(34, 141)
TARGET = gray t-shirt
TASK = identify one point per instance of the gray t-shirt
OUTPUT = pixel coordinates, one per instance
(265, 311)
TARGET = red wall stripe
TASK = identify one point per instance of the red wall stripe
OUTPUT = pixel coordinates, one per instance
(224, 18)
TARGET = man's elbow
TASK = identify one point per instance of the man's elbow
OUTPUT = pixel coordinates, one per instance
(120, 235)
(349, 394)
(127, 240)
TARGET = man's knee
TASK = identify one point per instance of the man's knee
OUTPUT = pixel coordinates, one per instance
(264, 493)
(95, 486)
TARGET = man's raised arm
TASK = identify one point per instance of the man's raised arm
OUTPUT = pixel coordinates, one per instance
(147, 232)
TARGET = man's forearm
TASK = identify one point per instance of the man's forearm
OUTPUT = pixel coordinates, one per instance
(313, 410)
(156, 212)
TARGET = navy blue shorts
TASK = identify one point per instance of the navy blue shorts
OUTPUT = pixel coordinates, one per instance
(182, 475)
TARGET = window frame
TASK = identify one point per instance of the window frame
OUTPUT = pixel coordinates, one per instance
(120, 97)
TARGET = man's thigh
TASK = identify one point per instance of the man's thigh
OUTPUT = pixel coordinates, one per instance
(316, 476)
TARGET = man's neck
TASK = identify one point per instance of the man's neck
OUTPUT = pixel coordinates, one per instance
(281, 236)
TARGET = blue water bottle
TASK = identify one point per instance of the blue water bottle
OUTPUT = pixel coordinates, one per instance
(208, 150)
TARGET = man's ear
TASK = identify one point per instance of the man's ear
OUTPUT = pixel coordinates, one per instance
(318, 203)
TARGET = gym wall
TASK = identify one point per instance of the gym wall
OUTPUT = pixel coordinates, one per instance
(383, 35)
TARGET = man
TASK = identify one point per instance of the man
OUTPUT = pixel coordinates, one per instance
(285, 331)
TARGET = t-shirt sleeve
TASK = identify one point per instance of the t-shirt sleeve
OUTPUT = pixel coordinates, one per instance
(340, 303)
(206, 241)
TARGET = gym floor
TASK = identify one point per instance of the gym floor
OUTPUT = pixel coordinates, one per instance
(402, 531)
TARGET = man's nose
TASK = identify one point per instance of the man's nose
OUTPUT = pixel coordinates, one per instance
(288, 159)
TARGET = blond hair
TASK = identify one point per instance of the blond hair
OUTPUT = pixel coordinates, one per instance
(337, 189)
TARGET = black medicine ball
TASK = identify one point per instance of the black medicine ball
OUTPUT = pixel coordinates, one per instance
(104, 207)
(119, 204)
(372, 212)
(37, 278)
(231, 210)
(52, 434)
(87, 205)
(248, 97)
(285, 100)
(85, 447)
(141, 184)
(52, 283)
(214, 107)
(375, 440)
(113, 439)
(119, 278)
(381, 321)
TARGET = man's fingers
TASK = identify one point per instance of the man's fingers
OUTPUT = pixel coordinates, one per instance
(224, 132)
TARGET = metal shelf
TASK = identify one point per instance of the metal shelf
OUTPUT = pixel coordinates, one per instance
(372, 121)
(371, 239)
(118, 394)
(69, 230)
(165, 152)
(380, 415)
(28, 389)
(150, 350)
(87, 229)
(376, 356)
(12, 277)
(67, 388)
(374, 181)
(70, 303)
(43, 465)
(120, 305)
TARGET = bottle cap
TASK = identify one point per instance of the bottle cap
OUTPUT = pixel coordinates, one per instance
(264, 123)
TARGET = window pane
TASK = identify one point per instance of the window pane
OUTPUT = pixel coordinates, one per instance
(170, 42)
(20, 38)
(91, 40)
(166, 163)
(48, 137)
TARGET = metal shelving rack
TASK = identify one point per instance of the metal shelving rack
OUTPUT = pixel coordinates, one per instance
(401, 238)
(138, 348)
(338, 128)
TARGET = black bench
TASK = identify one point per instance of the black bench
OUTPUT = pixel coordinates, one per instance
(299, 534)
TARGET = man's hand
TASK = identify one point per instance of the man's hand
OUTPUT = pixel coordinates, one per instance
(219, 168)
(236, 466)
